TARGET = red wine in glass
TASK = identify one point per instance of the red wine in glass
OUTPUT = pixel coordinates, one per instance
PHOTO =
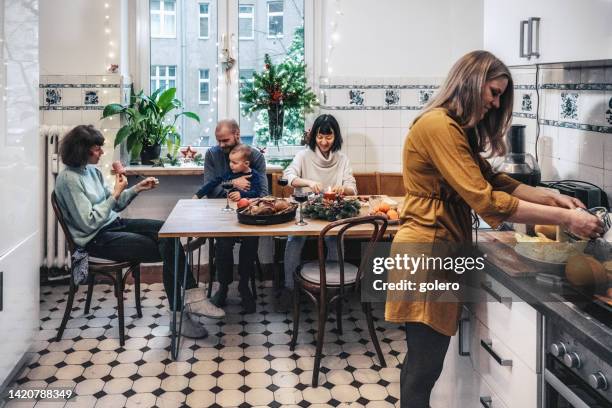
(282, 182)
(227, 186)
(301, 198)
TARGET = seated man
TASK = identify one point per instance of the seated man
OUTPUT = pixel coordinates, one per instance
(217, 165)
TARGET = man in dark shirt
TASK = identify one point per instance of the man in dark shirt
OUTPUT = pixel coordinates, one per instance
(216, 164)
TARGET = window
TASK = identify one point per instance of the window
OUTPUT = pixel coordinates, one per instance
(246, 75)
(163, 76)
(204, 86)
(246, 21)
(275, 18)
(204, 20)
(163, 18)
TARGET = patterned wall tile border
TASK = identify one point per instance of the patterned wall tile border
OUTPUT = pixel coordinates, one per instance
(578, 126)
(525, 87)
(323, 86)
(79, 85)
(361, 107)
(90, 107)
(523, 115)
(578, 87)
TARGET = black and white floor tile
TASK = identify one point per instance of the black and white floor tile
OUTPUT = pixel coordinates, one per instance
(244, 362)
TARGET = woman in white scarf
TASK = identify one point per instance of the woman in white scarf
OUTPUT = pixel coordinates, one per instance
(319, 167)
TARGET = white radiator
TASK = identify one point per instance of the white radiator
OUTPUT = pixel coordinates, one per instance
(56, 261)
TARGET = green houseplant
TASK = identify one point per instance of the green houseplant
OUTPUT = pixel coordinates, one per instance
(278, 88)
(150, 122)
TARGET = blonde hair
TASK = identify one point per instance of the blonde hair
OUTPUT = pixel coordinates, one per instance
(461, 96)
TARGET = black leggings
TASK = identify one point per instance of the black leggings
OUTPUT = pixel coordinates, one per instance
(422, 365)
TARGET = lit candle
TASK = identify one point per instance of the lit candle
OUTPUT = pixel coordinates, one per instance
(329, 194)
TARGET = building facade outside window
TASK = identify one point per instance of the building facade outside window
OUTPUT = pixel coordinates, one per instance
(163, 18)
(204, 21)
(204, 86)
(275, 18)
(246, 22)
(163, 77)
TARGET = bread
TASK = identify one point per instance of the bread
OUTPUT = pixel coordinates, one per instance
(584, 270)
(549, 231)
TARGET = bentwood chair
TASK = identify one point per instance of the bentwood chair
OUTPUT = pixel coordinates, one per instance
(329, 282)
(112, 270)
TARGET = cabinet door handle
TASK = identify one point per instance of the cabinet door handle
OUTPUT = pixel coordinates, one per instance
(522, 53)
(486, 402)
(504, 300)
(534, 46)
(487, 345)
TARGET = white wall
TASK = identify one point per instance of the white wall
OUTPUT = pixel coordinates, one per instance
(399, 38)
(73, 40)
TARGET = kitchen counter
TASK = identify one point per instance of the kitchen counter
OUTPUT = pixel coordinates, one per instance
(591, 333)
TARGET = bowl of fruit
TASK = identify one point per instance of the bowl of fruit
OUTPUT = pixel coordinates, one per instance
(385, 207)
(265, 211)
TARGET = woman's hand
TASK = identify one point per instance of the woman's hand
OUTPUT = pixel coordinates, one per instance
(316, 187)
(120, 185)
(340, 190)
(146, 184)
(564, 201)
(234, 196)
(584, 224)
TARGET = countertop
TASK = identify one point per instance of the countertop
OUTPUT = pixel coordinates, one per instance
(589, 332)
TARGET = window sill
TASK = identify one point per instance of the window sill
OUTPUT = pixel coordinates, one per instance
(151, 171)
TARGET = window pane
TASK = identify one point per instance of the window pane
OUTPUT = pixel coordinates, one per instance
(246, 28)
(204, 27)
(246, 9)
(289, 19)
(276, 25)
(275, 6)
(169, 5)
(155, 27)
(154, 5)
(184, 56)
(204, 92)
(203, 74)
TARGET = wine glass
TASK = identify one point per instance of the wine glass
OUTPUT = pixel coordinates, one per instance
(301, 198)
(282, 182)
(227, 186)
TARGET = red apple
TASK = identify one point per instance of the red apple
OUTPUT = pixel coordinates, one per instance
(243, 202)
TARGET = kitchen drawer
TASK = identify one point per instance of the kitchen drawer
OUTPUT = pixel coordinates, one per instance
(510, 319)
(486, 397)
(507, 375)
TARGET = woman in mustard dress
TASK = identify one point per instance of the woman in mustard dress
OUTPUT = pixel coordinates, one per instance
(445, 178)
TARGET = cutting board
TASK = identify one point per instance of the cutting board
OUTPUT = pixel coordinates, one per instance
(499, 248)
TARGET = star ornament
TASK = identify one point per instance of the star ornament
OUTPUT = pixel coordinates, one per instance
(189, 153)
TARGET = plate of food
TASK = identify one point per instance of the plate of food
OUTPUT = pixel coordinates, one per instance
(265, 211)
(550, 254)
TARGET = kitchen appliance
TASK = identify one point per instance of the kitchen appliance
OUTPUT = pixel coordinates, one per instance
(574, 375)
(516, 163)
(590, 195)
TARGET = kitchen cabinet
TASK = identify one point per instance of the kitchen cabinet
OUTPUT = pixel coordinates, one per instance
(566, 31)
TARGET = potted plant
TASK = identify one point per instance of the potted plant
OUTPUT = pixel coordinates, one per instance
(150, 122)
(277, 88)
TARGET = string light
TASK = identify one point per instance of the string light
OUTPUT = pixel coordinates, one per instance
(334, 35)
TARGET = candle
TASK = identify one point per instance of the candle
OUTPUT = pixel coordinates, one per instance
(329, 194)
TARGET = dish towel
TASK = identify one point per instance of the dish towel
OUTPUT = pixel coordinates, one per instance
(80, 266)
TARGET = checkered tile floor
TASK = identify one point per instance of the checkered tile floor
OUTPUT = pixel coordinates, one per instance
(244, 362)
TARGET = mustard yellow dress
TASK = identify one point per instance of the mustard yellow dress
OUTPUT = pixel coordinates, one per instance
(444, 177)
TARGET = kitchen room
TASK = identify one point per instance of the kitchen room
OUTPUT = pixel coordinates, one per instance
(539, 334)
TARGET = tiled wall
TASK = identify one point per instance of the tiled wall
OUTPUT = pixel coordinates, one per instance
(374, 116)
(70, 100)
(575, 116)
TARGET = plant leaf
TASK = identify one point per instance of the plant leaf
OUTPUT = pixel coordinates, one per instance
(122, 134)
(112, 109)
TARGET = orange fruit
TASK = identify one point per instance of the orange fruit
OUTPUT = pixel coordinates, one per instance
(384, 207)
(382, 214)
(375, 209)
(393, 215)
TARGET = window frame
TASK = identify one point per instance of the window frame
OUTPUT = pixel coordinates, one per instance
(157, 77)
(162, 21)
(275, 14)
(200, 17)
(200, 82)
(252, 14)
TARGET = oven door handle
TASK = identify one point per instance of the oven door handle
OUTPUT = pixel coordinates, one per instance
(563, 390)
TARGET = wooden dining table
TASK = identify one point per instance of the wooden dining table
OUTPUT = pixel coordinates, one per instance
(192, 218)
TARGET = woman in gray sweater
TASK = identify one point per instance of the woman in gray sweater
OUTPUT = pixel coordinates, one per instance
(317, 168)
(91, 210)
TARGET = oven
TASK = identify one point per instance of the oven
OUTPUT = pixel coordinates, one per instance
(565, 389)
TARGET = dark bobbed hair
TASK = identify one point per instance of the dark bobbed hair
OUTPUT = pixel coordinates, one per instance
(325, 125)
(74, 148)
